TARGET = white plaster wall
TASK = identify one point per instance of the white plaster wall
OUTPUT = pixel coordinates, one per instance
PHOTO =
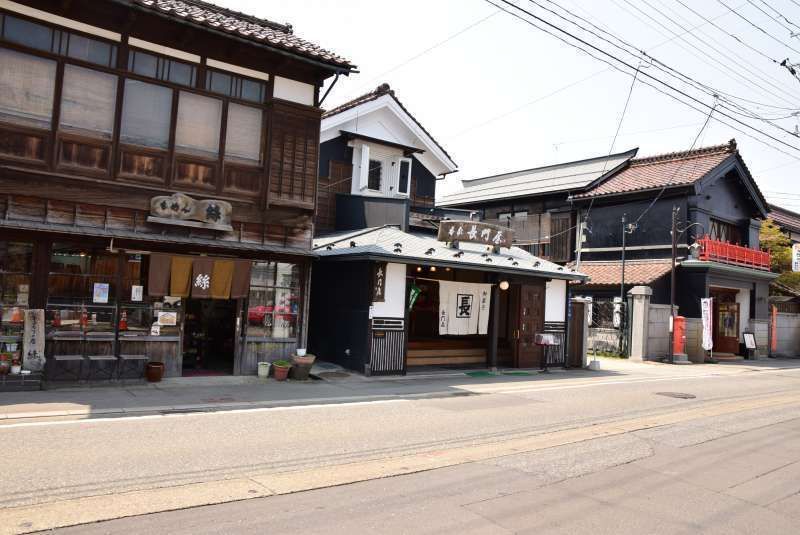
(395, 304)
(293, 91)
(658, 331)
(555, 301)
(788, 335)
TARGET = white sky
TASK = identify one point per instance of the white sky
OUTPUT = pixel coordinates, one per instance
(485, 95)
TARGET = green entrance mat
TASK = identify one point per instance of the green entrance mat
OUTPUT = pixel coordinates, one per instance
(517, 373)
(481, 374)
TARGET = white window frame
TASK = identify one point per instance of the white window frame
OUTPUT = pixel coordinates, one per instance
(408, 181)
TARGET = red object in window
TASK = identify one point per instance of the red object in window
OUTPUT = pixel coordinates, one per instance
(728, 253)
(123, 321)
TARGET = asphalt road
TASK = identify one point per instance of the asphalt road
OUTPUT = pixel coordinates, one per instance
(739, 471)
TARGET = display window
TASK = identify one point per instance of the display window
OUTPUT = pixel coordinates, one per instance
(274, 301)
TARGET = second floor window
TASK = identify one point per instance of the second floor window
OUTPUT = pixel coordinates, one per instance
(243, 134)
(374, 177)
(146, 113)
(27, 88)
(88, 102)
(198, 128)
(725, 232)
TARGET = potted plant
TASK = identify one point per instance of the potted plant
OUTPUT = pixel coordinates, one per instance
(281, 369)
(302, 365)
(16, 366)
(5, 363)
(154, 371)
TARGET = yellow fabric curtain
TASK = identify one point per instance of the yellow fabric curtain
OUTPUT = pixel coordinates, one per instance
(180, 275)
(222, 279)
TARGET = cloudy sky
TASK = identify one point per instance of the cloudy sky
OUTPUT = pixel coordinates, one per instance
(501, 95)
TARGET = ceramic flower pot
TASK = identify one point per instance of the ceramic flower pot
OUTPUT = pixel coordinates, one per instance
(281, 373)
(304, 360)
(154, 372)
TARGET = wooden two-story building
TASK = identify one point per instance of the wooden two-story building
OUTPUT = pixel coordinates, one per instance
(158, 169)
(574, 213)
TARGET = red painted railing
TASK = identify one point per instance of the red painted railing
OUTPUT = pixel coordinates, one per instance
(728, 253)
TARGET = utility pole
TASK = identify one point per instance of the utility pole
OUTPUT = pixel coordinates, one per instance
(675, 211)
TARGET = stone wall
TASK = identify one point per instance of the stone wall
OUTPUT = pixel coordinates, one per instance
(788, 335)
(658, 331)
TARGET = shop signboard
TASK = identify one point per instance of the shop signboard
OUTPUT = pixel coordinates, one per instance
(706, 306)
(33, 340)
(796, 257)
(475, 232)
(379, 282)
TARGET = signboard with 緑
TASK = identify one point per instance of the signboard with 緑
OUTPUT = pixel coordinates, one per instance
(475, 232)
(796, 257)
(379, 282)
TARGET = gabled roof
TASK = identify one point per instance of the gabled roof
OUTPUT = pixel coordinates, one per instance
(671, 170)
(566, 177)
(392, 244)
(384, 90)
(609, 273)
(786, 219)
(257, 30)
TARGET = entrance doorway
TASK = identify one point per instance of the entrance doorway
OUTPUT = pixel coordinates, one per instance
(209, 337)
(726, 320)
(530, 321)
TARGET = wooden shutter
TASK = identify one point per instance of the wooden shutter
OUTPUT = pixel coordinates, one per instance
(363, 170)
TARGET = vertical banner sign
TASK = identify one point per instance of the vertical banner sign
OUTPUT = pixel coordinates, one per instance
(796, 257)
(412, 295)
(379, 282)
(773, 343)
(706, 306)
(33, 340)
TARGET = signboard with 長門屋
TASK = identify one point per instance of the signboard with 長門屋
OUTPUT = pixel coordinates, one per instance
(475, 232)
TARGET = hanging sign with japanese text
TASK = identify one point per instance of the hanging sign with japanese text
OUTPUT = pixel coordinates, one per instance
(476, 232)
(33, 340)
(796, 257)
(707, 310)
(379, 282)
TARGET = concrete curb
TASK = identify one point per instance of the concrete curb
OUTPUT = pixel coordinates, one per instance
(166, 410)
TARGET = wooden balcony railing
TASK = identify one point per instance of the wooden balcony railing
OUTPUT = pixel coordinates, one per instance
(728, 253)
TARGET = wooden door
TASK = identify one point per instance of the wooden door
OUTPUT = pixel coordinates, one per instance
(726, 322)
(530, 322)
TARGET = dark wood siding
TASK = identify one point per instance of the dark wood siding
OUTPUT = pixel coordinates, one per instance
(294, 150)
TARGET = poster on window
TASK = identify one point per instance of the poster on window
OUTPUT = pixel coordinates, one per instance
(100, 293)
(706, 307)
(463, 308)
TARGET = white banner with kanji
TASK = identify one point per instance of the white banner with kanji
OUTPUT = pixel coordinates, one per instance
(464, 308)
(707, 309)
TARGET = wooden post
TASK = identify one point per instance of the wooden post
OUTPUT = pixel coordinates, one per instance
(494, 326)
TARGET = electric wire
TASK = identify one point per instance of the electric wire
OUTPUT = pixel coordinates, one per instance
(778, 20)
(626, 64)
(759, 28)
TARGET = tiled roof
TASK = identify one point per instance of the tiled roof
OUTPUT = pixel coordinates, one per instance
(254, 29)
(392, 244)
(665, 170)
(563, 177)
(375, 94)
(636, 272)
(784, 218)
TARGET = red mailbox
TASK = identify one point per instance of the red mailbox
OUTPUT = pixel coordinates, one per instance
(679, 338)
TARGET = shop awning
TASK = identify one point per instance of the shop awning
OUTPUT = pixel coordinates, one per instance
(391, 244)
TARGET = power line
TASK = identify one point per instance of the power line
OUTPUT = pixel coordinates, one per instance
(724, 66)
(759, 28)
(675, 173)
(702, 87)
(430, 48)
(778, 19)
(626, 64)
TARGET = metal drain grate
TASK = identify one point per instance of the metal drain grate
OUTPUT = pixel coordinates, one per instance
(679, 395)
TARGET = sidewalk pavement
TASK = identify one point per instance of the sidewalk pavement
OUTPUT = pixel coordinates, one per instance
(231, 393)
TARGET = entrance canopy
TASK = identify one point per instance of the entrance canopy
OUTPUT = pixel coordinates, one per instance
(198, 276)
(389, 243)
